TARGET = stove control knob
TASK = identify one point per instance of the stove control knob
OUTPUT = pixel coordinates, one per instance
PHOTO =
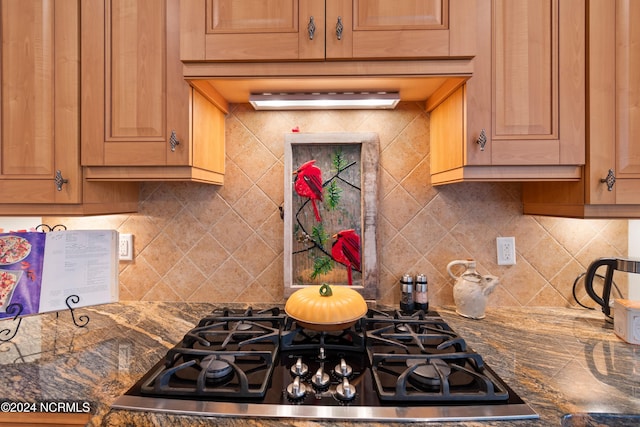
(296, 390)
(320, 379)
(343, 370)
(299, 369)
(345, 391)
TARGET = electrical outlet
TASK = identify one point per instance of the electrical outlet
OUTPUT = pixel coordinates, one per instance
(506, 250)
(126, 247)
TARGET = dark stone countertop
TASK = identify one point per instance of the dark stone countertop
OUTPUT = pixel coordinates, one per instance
(560, 361)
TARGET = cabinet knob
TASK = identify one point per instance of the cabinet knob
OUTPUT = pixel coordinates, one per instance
(59, 180)
(610, 180)
(339, 28)
(173, 141)
(482, 140)
(311, 28)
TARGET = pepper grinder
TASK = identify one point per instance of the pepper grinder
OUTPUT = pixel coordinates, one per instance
(406, 298)
(421, 294)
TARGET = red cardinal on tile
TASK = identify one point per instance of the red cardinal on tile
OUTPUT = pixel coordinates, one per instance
(346, 250)
(308, 183)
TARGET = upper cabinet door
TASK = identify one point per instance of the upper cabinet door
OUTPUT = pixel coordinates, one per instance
(610, 186)
(140, 119)
(535, 65)
(39, 101)
(615, 96)
(273, 30)
(260, 30)
(523, 110)
(127, 79)
(407, 29)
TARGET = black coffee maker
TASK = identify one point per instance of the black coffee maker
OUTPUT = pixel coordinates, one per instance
(613, 264)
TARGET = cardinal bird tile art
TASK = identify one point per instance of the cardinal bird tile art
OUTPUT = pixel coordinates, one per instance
(330, 210)
(308, 183)
(327, 215)
(346, 251)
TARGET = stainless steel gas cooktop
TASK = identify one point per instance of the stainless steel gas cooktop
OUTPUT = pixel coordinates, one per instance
(388, 366)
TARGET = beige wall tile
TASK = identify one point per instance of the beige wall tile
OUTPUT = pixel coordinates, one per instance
(196, 242)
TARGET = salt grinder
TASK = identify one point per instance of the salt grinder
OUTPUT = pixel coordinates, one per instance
(421, 294)
(406, 298)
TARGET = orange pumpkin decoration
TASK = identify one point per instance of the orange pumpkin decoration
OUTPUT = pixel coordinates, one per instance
(325, 308)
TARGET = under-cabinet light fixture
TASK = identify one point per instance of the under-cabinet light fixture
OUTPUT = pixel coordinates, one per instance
(324, 100)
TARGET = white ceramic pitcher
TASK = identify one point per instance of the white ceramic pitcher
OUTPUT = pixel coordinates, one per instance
(471, 290)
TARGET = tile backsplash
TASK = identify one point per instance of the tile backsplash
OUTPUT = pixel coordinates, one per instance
(196, 242)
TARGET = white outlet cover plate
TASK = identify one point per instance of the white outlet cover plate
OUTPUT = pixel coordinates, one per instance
(506, 248)
(125, 247)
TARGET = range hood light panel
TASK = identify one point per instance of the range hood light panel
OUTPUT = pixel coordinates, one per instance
(312, 101)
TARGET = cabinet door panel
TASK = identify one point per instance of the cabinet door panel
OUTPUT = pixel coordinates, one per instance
(614, 92)
(140, 153)
(405, 43)
(526, 80)
(407, 29)
(311, 43)
(27, 88)
(628, 192)
(613, 116)
(339, 47)
(523, 152)
(537, 73)
(128, 74)
(252, 16)
(387, 15)
(136, 76)
(628, 89)
(254, 30)
(39, 101)
(602, 104)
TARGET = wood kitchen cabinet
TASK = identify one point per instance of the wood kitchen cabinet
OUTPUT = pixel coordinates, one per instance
(613, 124)
(141, 121)
(273, 30)
(521, 116)
(40, 169)
(42, 419)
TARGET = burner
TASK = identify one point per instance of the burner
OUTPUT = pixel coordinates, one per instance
(402, 327)
(239, 328)
(428, 373)
(217, 368)
(243, 326)
(296, 337)
(429, 335)
(404, 331)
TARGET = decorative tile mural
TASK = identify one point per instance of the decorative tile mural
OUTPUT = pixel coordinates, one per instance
(196, 242)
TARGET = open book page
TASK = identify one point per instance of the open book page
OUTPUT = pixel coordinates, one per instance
(82, 263)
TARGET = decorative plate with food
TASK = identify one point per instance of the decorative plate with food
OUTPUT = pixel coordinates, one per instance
(13, 249)
(8, 282)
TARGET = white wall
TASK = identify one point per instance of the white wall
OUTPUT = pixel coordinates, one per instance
(10, 223)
